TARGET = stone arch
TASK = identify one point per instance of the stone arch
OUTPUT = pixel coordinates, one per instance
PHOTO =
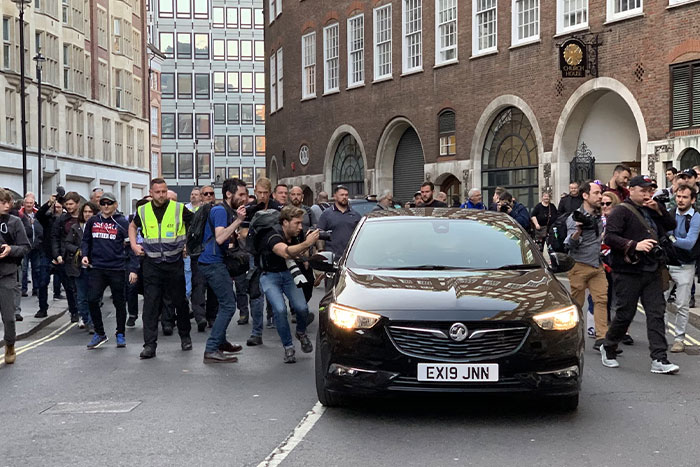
(333, 142)
(386, 151)
(688, 158)
(273, 171)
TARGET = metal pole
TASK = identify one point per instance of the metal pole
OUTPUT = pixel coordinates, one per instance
(196, 163)
(22, 96)
(38, 148)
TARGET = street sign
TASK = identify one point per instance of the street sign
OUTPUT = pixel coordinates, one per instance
(573, 57)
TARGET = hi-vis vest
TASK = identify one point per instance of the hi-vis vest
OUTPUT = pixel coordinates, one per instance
(163, 242)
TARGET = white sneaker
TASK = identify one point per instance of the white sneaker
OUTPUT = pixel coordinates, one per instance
(81, 324)
(664, 367)
(608, 362)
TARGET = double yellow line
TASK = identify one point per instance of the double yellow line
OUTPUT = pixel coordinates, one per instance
(48, 338)
(689, 340)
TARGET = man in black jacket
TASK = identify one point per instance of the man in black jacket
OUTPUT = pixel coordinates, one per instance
(633, 231)
(570, 201)
(59, 232)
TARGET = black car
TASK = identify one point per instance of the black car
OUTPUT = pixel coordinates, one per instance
(446, 300)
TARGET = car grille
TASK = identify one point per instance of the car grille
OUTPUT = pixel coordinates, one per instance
(432, 342)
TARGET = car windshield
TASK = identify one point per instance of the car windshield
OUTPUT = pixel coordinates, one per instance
(363, 207)
(441, 244)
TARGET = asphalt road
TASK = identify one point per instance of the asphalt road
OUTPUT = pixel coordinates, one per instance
(174, 410)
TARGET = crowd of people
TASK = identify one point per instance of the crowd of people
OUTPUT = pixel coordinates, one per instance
(204, 261)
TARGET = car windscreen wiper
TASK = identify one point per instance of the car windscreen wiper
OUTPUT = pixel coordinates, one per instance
(427, 267)
(519, 266)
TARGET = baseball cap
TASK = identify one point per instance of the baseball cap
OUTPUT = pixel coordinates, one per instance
(641, 180)
(690, 172)
(109, 196)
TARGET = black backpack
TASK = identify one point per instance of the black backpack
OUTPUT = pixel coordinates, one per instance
(686, 256)
(195, 234)
(557, 234)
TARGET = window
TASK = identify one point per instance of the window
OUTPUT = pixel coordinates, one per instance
(140, 149)
(118, 142)
(272, 10)
(202, 126)
(484, 26)
(154, 121)
(446, 125)
(53, 127)
(102, 37)
(103, 75)
(7, 36)
(201, 9)
(184, 8)
(69, 130)
(259, 18)
(184, 86)
(247, 175)
(232, 18)
(308, 60)
(117, 39)
(525, 21)
(91, 135)
(231, 49)
(572, 15)
(246, 18)
(280, 69)
(618, 9)
(234, 148)
(259, 82)
(217, 16)
(382, 42)
(685, 95)
(445, 31)
(219, 81)
(184, 126)
(129, 145)
(232, 112)
(247, 114)
(247, 81)
(220, 113)
(119, 100)
(260, 146)
(234, 172)
(184, 45)
(204, 165)
(246, 146)
(165, 9)
(246, 50)
(185, 165)
(218, 49)
(273, 83)
(66, 66)
(168, 164)
(167, 44)
(106, 140)
(260, 173)
(10, 116)
(413, 35)
(220, 145)
(232, 81)
(201, 46)
(167, 126)
(259, 51)
(167, 85)
(260, 114)
(201, 86)
(356, 50)
(219, 174)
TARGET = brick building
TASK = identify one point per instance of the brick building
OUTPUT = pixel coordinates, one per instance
(383, 94)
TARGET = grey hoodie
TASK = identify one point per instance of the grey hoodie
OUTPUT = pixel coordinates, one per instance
(12, 233)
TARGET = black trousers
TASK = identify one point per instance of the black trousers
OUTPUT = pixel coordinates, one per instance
(628, 289)
(132, 295)
(161, 279)
(199, 291)
(98, 280)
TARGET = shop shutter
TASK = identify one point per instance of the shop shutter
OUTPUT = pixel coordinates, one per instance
(680, 78)
(409, 167)
(696, 95)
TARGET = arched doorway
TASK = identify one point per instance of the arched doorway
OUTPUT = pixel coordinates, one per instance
(348, 166)
(409, 166)
(689, 158)
(308, 195)
(451, 185)
(509, 157)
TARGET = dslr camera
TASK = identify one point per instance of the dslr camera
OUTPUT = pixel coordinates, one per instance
(324, 235)
(586, 220)
(504, 208)
(663, 198)
(60, 194)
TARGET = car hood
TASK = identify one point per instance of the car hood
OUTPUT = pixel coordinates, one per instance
(448, 295)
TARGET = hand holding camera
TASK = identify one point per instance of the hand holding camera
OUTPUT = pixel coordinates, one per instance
(646, 245)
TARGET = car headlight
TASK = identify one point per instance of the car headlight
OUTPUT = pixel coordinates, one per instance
(350, 318)
(558, 320)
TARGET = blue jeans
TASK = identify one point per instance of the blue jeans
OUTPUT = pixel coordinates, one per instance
(188, 276)
(258, 303)
(82, 288)
(221, 283)
(275, 285)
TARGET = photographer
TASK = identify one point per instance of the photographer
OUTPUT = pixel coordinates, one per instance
(634, 229)
(686, 236)
(514, 209)
(278, 252)
(585, 230)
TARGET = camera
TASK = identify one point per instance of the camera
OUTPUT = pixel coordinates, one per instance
(60, 194)
(587, 220)
(324, 235)
(657, 253)
(504, 208)
(663, 197)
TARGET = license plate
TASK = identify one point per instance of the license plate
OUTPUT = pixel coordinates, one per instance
(458, 372)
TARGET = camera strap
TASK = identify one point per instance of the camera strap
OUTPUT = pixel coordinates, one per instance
(641, 219)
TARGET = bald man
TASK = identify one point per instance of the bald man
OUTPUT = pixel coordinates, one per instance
(172, 196)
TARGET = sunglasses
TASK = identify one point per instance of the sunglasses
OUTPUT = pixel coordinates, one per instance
(208, 193)
(106, 202)
(607, 203)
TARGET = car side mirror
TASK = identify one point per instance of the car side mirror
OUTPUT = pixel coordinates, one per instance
(323, 261)
(561, 262)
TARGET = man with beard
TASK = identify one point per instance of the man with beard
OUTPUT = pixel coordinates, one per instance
(426, 195)
(340, 219)
(309, 221)
(618, 182)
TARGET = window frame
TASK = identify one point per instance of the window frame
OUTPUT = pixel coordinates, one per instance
(693, 69)
(164, 174)
(187, 174)
(356, 77)
(214, 20)
(233, 114)
(376, 44)
(180, 94)
(440, 49)
(560, 19)
(201, 55)
(201, 76)
(476, 50)
(161, 34)
(184, 54)
(328, 59)
(164, 116)
(199, 118)
(515, 23)
(612, 16)
(248, 108)
(183, 135)
(308, 68)
(405, 68)
(215, 89)
(222, 106)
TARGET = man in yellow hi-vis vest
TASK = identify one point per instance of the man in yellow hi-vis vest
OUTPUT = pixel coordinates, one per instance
(163, 224)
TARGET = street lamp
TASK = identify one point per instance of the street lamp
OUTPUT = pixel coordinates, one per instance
(21, 4)
(39, 59)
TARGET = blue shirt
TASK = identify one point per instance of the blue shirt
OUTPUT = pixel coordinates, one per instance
(470, 205)
(342, 225)
(213, 252)
(686, 240)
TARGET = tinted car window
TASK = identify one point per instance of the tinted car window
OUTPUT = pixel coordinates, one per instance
(362, 206)
(449, 243)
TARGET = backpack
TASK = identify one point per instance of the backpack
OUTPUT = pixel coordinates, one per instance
(557, 234)
(686, 256)
(262, 222)
(195, 234)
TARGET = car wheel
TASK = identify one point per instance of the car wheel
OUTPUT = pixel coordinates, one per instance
(326, 397)
(566, 403)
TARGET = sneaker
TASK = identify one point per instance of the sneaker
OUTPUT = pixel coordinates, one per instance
(270, 323)
(25, 294)
(202, 325)
(591, 332)
(131, 322)
(599, 344)
(306, 345)
(58, 297)
(147, 352)
(606, 359)
(168, 330)
(97, 341)
(81, 324)
(664, 367)
(41, 314)
(74, 318)
(678, 346)
(289, 355)
(242, 321)
(253, 341)
(18, 317)
(627, 340)
(121, 340)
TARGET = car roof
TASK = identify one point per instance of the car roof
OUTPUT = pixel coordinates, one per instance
(441, 213)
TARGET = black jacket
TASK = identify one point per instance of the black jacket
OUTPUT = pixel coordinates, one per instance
(569, 204)
(12, 232)
(72, 245)
(46, 218)
(59, 235)
(624, 230)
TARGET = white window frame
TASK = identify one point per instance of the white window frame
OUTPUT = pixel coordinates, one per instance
(613, 16)
(476, 51)
(440, 49)
(308, 65)
(405, 68)
(516, 24)
(331, 58)
(679, 2)
(356, 51)
(382, 38)
(561, 29)
(273, 82)
(280, 73)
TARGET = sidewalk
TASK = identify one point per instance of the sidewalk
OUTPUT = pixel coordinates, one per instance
(31, 325)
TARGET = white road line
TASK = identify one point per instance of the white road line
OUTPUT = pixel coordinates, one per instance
(295, 437)
(689, 340)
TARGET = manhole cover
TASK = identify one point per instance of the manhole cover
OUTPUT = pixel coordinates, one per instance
(92, 407)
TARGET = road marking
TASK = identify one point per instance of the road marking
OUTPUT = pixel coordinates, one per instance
(689, 340)
(43, 338)
(295, 437)
(53, 335)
